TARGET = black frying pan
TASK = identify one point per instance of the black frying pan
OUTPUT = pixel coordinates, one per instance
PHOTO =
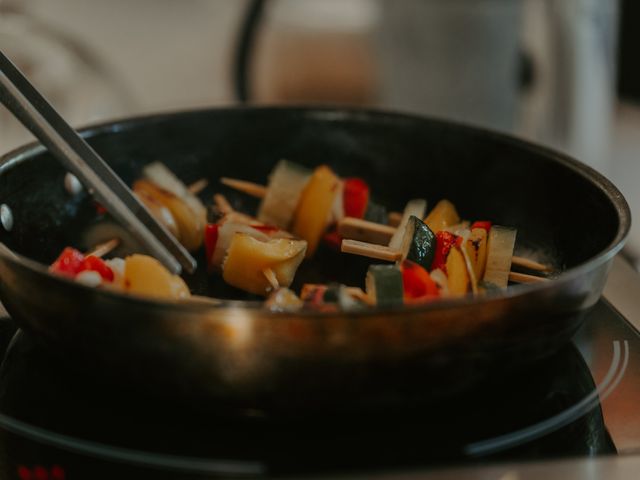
(241, 354)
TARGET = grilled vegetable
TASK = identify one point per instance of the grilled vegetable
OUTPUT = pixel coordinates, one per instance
(314, 207)
(376, 213)
(418, 243)
(414, 208)
(283, 299)
(443, 215)
(384, 285)
(211, 233)
(457, 275)
(190, 221)
(226, 232)
(444, 241)
(144, 275)
(500, 245)
(71, 263)
(417, 282)
(158, 210)
(249, 258)
(484, 224)
(476, 249)
(188, 211)
(286, 184)
(355, 197)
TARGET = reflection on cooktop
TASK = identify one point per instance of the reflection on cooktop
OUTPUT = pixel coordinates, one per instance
(547, 410)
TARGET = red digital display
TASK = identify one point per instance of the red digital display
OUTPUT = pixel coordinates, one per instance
(38, 472)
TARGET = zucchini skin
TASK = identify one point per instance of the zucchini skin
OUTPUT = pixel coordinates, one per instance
(385, 283)
(422, 247)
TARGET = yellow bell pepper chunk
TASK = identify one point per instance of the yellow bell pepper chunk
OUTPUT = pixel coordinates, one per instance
(144, 275)
(248, 258)
(457, 276)
(190, 222)
(443, 215)
(476, 248)
(314, 207)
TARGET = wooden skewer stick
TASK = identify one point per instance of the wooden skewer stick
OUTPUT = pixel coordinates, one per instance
(104, 248)
(370, 250)
(359, 294)
(517, 277)
(250, 188)
(271, 278)
(363, 230)
(530, 264)
(259, 191)
(223, 204)
(381, 252)
(197, 186)
(376, 233)
(394, 218)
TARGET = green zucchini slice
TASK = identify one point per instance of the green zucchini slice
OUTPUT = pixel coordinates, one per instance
(418, 243)
(384, 285)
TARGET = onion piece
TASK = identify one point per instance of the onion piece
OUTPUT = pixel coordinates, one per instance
(417, 208)
(286, 183)
(500, 246)
(441, 280)
(225, 235)
(464, 235)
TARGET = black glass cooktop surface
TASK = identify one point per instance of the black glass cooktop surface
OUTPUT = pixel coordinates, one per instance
(57, 422)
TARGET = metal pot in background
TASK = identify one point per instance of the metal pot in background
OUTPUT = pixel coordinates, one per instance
(543, 69)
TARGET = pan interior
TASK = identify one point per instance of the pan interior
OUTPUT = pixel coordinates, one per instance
(561, 214)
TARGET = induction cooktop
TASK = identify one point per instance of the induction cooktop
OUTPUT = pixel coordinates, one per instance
(62, 422)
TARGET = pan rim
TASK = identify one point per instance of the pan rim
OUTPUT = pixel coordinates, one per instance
(333, 113)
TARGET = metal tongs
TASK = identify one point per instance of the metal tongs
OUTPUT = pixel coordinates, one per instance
(35, 113)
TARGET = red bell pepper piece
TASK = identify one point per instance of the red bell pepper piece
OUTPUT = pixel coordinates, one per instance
(96, 264)
(265, 228)
(69, 263)
(210, 241)
(100, 210)
(355, 197)
(486, 225)
(333, 240)
(444, 241)
(417, 282)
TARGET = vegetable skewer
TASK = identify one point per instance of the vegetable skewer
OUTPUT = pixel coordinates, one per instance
(358, 229)
(366, 232)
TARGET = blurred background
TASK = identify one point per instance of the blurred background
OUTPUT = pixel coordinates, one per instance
(559, 72)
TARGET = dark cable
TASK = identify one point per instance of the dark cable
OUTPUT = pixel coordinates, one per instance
(245, 48)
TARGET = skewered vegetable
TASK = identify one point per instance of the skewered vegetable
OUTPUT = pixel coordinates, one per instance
(144, 275)
(262, 257)
(248, 259)
(355, 197)
(188, 211)
(313, 209)
(385, 285)
(283, 299)
(416, 282)
(415, 208)
(136, 274)
(444, 241)
(418, 243)
(458, 277)
(500, 245)
(476, 249)
(443, 215)
(286, 184)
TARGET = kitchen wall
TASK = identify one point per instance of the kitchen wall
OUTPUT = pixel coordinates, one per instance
(175, 54)
(169, 54)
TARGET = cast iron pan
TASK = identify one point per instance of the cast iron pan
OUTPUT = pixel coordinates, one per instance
(239, 354)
